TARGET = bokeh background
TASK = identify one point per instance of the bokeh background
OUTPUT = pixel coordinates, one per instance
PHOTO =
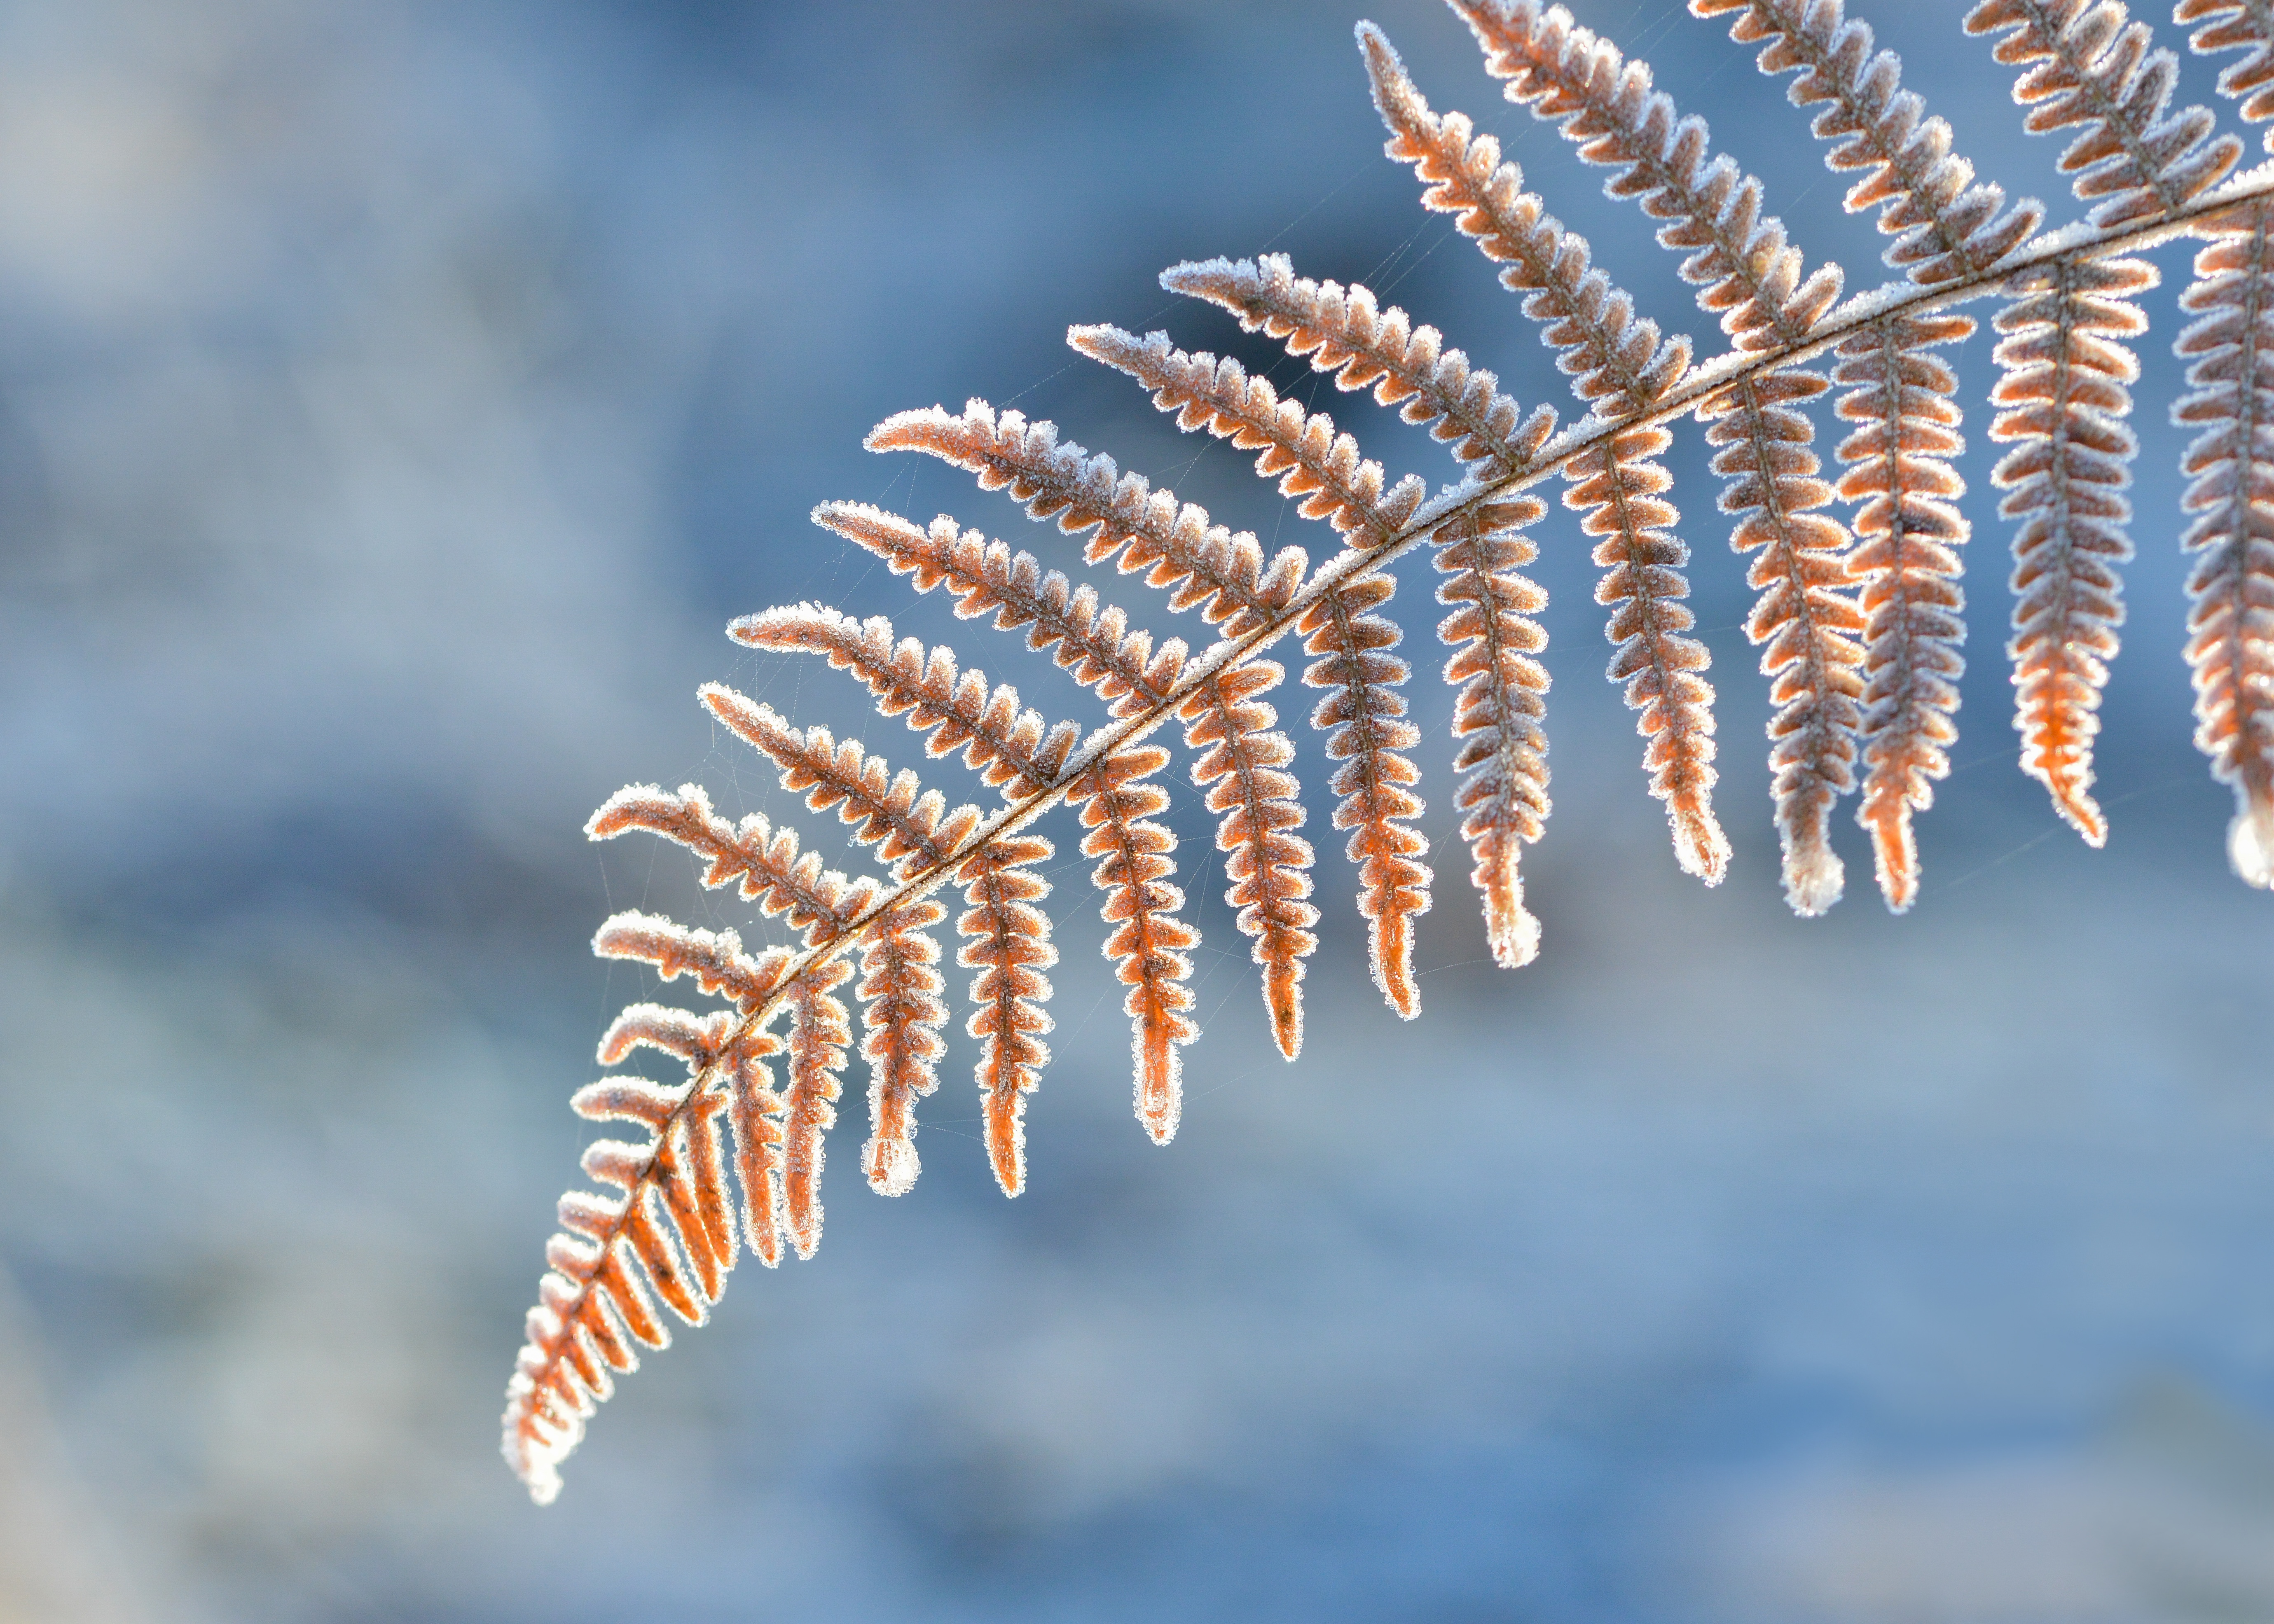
(396, 401)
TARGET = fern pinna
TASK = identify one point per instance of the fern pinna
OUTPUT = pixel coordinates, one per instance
(1860, 612)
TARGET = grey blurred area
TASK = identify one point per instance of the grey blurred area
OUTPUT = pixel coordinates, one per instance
(396, 401)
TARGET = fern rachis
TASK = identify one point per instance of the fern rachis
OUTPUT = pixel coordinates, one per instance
(1859, 621)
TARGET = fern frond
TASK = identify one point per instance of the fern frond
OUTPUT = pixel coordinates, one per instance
(1617, 363)
(714, 958)
(901, 1012)
(1945, 225)
(1094, 643)
(820, 1032)
(660, 1233)
(668, 1232)
(2231, 590)
(1203, 564)
(1006, 938)
(1806, 615)
(820, 902)
(1348, 335)
(1364, 718)
(2247, 25)
(1005, 745)
(2066, 401)
(1242, 766)
(1739, 265)
(1497, 720)
(1736, 258)
(754, 1111)
(2087, 65)
(1907, 532)
(1320, 471)
(1147, 942)
(911, 827)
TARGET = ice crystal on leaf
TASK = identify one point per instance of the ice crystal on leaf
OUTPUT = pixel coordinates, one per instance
(1859, 610)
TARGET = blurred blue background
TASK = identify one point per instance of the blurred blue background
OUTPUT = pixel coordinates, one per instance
(396, 401)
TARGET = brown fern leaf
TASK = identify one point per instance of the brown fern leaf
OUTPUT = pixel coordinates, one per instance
(1907, 532)
(820, 902)
(754, 1114)
(1497, 720)
(1320, 471)
(2089, 66)
(2246, 25)
(1004, 744)
(693, 1179)
(1616, 364)
(1944, 226)
(2066, 401)
(901, 1011)
(1148, 943)
(911, 827)
(820, 1032)
(1094, 643)
(1738, 259)
(2231, 589)
(669, 1233)
(1806, 616)
(1323, 473)
(1006, 939)
(1363, 720)
(715, 960)
(1242, 764)
(1346, 335)
(1202, 564)
(1739, 265)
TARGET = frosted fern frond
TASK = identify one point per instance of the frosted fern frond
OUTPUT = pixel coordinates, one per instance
(2247, 25)
(2064, 395)
(1203, 564)
(1346, 333)
(1008, 745)
(2088, 65)
(2231, 492)
(1363, 714)
(1738, 261)
(1618, 366)
(1148, 943)
(820, 1031)
(1945, 225)
(1860, 627)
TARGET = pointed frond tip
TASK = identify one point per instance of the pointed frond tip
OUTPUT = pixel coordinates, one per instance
(1860, 625)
